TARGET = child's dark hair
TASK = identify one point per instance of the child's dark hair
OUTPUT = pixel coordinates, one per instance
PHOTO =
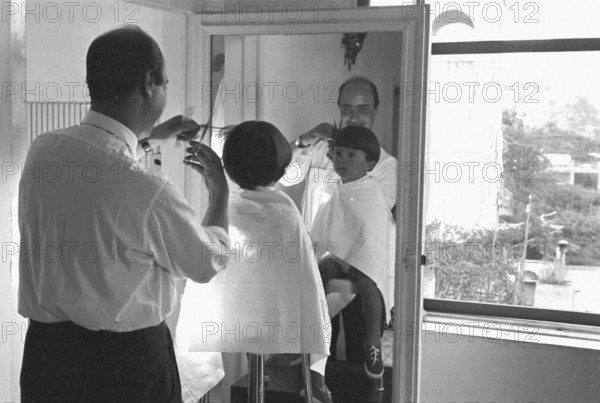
(358, 138)
(255, 153)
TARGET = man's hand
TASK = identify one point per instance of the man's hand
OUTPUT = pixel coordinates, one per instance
(172, 128)
(204, 160)
(323, 131)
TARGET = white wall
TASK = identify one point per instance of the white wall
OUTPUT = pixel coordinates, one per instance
(56, 51)
(490, 370)
(56, 54)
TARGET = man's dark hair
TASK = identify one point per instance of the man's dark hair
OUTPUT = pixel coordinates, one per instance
(255, 153)
(117, 62)
(364, 80)
(358, 138)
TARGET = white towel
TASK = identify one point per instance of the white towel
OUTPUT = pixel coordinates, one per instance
(199, 373)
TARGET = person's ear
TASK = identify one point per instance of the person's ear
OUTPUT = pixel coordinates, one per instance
(148, 83)
(375, 112)
(370, 165)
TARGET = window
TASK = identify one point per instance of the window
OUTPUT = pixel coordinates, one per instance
(511, 186)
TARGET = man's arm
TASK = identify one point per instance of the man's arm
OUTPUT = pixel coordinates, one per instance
(302, 150)
(205, 161)
(178, 241)
(166, 131)
(321, 132)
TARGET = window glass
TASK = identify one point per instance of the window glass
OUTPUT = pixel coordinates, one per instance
(512, 200)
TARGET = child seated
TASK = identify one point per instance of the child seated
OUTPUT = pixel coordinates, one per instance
(354, 231)
(270, 298)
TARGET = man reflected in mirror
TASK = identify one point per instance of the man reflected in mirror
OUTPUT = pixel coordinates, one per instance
(358, 101)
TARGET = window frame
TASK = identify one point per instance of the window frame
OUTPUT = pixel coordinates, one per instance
(413, 23)
(570, 319)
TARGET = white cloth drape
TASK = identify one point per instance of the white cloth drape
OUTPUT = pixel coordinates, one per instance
(356, 225)
(270, 298)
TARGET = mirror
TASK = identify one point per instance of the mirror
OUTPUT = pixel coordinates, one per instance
(295, 84)
(288, 73)
(293, 81)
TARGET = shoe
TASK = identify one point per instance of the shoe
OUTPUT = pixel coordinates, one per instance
(319, 395)
(374, 362)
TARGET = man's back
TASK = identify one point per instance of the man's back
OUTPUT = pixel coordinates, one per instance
(93, 224)
(81, 206)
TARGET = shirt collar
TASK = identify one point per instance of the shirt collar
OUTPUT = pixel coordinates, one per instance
(356, 182)
(111, 126)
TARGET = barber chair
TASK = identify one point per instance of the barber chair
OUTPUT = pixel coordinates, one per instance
(256, 380)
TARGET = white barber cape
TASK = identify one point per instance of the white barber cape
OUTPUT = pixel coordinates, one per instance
(357, 226)
(270, 298)
(312, 165)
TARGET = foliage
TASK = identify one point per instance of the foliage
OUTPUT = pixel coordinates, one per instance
(578, 139)
(575, 208)
(580, 117)
(466, 266)
(466, 281)
(572, 198)
(521, 155)
(583, 232)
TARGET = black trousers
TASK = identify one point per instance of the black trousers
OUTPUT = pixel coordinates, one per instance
(66, 363)
(355, 331)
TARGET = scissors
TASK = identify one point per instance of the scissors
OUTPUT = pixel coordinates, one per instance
(206, 126)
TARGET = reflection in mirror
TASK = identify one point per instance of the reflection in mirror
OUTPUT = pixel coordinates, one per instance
(293, 82)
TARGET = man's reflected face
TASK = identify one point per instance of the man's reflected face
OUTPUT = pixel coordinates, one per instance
(357, 105)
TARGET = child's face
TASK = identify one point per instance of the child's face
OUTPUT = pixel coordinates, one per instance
(350, 164)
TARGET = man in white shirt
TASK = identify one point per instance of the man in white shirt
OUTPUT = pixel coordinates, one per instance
(103, 238)
(358, 100)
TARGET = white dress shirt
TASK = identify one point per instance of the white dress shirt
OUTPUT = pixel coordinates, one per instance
(103, 238)
(312, 164)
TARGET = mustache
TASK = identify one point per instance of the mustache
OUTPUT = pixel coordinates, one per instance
(361, 123)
